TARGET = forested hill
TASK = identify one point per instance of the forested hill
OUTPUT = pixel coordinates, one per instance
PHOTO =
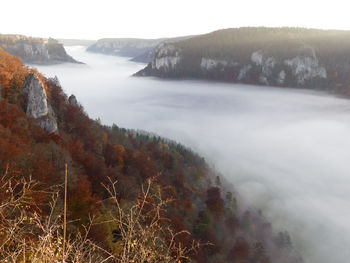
(132, 197)
(292, 57)
(35, 50)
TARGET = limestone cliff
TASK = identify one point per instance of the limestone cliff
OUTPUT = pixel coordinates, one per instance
(141, 50)
(35, 50)
(262, 69)
(128, 47)
(34, 102)
(287, 57)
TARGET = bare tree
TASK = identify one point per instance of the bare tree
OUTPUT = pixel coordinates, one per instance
(142, 233)
(28, 234)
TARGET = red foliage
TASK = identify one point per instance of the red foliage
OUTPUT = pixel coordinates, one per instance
(154, 151)
(178, 179)
(44, 171)
(81, 200)
(142, 162)
(114, 155)
(232, 223)
(168, 160)
(240, 251)
(8, 149)
(12, 75)
(214, 201)
(214, 246)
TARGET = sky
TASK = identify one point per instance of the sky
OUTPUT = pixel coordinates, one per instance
(87, 19)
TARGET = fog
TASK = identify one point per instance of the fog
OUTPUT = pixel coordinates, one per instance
(287, 151)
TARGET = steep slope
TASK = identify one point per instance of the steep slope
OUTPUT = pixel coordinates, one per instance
(291, 57)
(35, 50)
(95, 154)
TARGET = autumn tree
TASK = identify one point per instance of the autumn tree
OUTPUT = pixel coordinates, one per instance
(214, 201)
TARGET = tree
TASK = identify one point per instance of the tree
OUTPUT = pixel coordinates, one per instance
(142, 233)
(240, 251)
(214, 201)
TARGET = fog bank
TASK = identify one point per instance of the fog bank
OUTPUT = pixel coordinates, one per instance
(285, 150)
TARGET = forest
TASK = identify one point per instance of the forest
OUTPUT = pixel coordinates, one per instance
(233, 48)
(132, 196)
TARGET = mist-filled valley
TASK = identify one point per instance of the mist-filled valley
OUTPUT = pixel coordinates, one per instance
(285, 150)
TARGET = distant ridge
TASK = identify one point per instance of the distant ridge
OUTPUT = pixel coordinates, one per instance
(287, 57)
(140, 50)
(35, 50)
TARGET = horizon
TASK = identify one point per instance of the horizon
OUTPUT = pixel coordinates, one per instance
(121, 37)
(87, 20)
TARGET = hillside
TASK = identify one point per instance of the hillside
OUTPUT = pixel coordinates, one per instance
(35, 50)
(141, 50)
(287, 57)
(171, 188)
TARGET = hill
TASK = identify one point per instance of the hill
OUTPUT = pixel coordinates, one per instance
(35, 50)
(132, 195)
(286, 57)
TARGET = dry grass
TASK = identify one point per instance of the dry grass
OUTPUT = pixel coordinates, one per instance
(28, 236)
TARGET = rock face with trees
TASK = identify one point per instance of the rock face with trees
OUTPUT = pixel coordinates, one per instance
(35, 50)
(140, 50)
(132, 196)
(285, 57)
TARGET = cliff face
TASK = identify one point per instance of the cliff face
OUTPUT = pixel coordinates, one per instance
(35, 50)
(276, 57)
(165, 63)
(141, 50)
(35, 103)
(262, 69)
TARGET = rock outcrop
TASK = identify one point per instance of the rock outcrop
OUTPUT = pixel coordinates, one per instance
(35, 50)
(72, 100)
(166, 60)
(129, 47)
(262, 69)
(141, 50)
(34, 102)
(264, 56)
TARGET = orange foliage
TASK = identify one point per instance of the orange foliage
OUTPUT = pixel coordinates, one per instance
(114, 155)
(8, 149)
(81, 199)
(12, 74)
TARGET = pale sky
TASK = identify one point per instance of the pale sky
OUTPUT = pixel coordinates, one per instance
(87, 19)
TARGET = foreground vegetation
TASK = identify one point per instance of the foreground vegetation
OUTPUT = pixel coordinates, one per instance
(132, 196)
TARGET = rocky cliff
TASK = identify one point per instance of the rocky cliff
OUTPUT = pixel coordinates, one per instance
(128, 47)
(141, 50)
(35, 50)
(277, 57)
(34, 102)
